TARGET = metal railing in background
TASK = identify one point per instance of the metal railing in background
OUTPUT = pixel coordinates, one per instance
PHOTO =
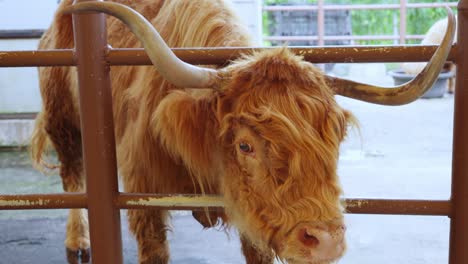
(21, 33)
(321, 8)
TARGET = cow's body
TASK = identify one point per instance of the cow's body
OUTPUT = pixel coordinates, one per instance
(207, 24)
(264, 132)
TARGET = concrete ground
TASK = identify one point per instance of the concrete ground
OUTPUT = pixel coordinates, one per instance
(401, 152)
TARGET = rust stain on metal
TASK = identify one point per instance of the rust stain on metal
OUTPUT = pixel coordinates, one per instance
(30, 202)
(357, 203)
(170, 201)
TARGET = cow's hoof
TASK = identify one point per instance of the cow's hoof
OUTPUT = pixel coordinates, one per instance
(154, 260)
(73, 256)
(85, 256)
(80, 256)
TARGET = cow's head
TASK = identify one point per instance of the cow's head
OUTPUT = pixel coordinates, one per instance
(267, 136)
(280, 131)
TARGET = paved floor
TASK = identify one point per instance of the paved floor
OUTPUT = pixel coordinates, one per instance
(402, 152)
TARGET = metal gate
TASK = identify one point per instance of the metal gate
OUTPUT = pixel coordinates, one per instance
(93, 57)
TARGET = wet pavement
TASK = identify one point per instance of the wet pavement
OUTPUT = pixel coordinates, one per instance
(40, 240)
(402, 152)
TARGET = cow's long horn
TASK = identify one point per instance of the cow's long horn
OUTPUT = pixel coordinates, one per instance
(407, 92)
(173, 69)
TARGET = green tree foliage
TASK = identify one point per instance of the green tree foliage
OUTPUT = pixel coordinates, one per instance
(379, 22)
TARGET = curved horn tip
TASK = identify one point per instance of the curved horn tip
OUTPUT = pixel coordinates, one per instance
(405, 93)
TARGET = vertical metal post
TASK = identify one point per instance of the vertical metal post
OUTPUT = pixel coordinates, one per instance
(459, 221)
(98, 137)
(321, 22)
(403, 10)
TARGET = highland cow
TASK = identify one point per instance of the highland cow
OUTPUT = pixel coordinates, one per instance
(264, 131)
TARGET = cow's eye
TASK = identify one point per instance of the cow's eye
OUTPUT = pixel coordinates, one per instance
(245, 147)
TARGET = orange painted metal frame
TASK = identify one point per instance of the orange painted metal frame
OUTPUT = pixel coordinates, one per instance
(93, 58)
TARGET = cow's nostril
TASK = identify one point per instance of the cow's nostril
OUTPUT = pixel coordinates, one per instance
(308, 239)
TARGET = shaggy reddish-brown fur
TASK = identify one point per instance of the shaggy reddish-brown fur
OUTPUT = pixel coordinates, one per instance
(186, 141)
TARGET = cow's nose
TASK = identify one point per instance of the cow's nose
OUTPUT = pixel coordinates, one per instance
(322, 242)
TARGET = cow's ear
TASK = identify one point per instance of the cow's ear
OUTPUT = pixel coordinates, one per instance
(186, 126)
(345, 120)
(335, 127)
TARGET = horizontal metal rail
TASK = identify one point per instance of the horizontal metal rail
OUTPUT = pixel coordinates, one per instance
(220, 56)
(43, 201)
(199, 202)
(19, 116)
(355, 7)
(170, 202)
(35, 58)
(21, 33)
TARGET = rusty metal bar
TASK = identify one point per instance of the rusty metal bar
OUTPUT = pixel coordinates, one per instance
(21, 33)
(347, 54)
(43, 201)
(213, 202)
(353, 206)
(222, 56)
(97, 128)
(356, 7)
(13, 148)
(398, 207)
(403, 9)
(170, 202)
(34, 58)
(458, 253)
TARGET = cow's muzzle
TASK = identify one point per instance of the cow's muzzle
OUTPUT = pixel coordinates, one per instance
(311, 242)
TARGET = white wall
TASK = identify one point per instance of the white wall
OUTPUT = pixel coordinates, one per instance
(19, 90)
(26, 14)
(250, 12)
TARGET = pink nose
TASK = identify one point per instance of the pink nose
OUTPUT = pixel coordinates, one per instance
(322, 242)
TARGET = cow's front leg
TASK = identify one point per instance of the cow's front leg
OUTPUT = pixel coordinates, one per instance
(77, 236)
(149, 228)
(254, 255)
